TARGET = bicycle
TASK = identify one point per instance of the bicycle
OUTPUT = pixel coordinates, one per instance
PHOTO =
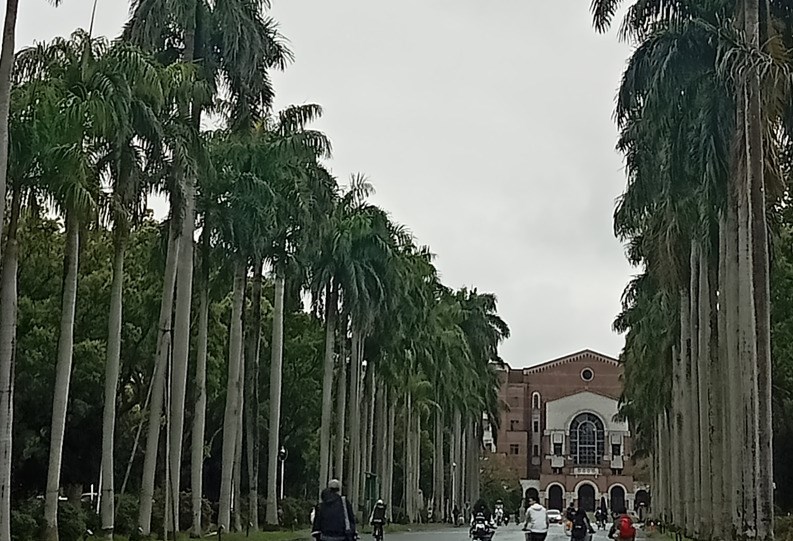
(377, 532)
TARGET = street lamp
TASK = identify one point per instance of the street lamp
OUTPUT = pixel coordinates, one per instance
(282, 454)
(454, 485)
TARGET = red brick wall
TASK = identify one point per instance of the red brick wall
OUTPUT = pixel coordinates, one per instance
(552, 381)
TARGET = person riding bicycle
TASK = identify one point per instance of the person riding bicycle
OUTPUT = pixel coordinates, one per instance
(377, 519)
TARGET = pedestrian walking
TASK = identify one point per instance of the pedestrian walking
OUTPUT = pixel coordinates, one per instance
(536, 523)
(582, 528)
(334, 519)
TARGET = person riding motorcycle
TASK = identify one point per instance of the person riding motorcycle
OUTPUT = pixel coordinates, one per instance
(498, 512)
(481, 527)
(377, 519)
(481, 507)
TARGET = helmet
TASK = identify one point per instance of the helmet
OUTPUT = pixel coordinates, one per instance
(380, 502)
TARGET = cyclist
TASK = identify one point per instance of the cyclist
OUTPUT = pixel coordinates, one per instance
(377, 519)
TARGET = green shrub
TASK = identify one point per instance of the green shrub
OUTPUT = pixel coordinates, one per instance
(783, 528)
(71, 522)
(26, 520)
(126, 515)
(297, 512)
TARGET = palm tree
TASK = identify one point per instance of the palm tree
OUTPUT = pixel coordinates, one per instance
(713, 136)
(301, 187)
(27, 127)
(81, 81)
(207, 38)
(125, 162)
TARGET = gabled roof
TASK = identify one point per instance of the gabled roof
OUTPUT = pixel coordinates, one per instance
(586, 353)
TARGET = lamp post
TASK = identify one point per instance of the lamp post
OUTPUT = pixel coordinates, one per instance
(282, 454)
(454, 485)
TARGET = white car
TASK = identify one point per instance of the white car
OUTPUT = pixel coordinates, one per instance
(554, 516)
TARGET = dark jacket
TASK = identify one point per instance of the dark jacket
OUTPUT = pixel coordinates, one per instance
(329, 519)
(581, 525)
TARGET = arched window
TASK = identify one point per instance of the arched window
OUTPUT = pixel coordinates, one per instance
(587, 439)
(535, 401)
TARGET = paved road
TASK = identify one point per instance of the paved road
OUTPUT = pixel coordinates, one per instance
(505, 533)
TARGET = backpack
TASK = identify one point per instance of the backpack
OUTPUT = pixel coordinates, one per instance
(626, 529)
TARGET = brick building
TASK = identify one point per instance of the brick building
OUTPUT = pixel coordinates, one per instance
(560, 434)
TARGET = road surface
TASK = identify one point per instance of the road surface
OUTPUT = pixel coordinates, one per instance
(505, 533)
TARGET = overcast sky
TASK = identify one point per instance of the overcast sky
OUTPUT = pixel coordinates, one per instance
(486, 128)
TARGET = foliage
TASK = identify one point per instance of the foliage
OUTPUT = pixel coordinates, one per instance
(500, 482)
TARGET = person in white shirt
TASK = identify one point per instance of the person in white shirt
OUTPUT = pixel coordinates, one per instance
(536, 523)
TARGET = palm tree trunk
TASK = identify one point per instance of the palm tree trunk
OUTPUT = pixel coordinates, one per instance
(252, 396)
(390, 458)
(733, 373)
(456, 462)
(372, 386)
(720, 444)
(706, 509)
(694, 518)
(676, 441)
(473, 466)
(747, 358)
(327, 385)
(158, 381)
(716, 394)
(660, 504)
(381, 434)
(275, 400)
(760, 279)
(354, 419)
(462, 467)
(439, 495)
(8, 330)
(63, 370)
(6, 66)
(233, 400)
(408, 477)
(419, 504)
(341, 405)
(199, 416)
(237, 474)
(364, 425)
(111, 379)
(688, 434)
(181, 340)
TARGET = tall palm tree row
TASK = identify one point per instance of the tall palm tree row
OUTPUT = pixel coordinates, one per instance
(701, 110)
(98, 126)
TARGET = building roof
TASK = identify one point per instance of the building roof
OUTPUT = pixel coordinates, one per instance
(573, 357)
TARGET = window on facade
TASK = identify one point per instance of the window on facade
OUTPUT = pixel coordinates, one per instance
(587, 440)
(514, 449)
(557, 471)
(535, 401)
(616, 471)
(557, 449)
(536, 426)
(536, 450)
(514, 425)
(616, 449)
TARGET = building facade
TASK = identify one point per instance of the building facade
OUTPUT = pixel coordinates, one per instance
(561, 434)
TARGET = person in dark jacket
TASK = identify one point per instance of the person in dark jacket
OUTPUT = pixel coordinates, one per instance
(334, 519)
(582, 528)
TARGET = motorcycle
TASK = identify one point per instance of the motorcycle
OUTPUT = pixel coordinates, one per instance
(481, 531)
